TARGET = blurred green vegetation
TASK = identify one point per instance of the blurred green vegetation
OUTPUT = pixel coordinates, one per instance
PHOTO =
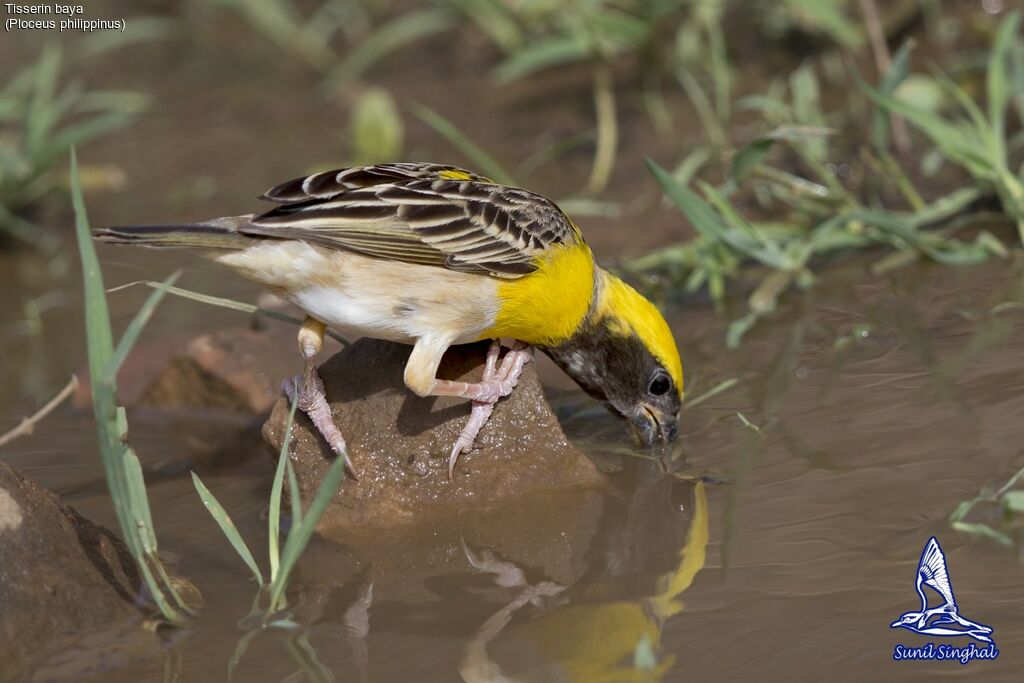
(541, 34)
(975, 137)
(811, 210)
(995, 513)
(818, 123)
(796, 134)
(339, 39)
(42, 117)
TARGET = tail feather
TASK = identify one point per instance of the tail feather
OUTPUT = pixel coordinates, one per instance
(219, 233)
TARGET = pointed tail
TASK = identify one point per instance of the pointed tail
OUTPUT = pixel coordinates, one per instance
(219, 233)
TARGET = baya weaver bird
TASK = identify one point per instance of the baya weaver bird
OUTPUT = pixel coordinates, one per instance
(434, 255)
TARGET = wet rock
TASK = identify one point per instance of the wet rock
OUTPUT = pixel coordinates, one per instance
(148, 359)
(60, 575)
(235, 369)
(400, 442)
(231, 370)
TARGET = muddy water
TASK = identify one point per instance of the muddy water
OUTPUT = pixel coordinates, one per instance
(878, 405)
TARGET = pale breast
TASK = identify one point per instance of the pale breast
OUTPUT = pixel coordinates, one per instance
(372, 297)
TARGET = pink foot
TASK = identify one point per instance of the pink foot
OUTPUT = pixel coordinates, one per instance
(496, 383)
(313, 402)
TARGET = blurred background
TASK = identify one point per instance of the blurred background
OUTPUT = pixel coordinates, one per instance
(806, 128)
(826, 196)
(790, 113)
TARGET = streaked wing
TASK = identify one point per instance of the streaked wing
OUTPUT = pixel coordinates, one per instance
(419, 213)
(933, 571)
(331, 183)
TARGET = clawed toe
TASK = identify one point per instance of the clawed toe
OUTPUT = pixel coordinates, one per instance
(312, 401)
(290, 386)
(478, 417)
(500, 380)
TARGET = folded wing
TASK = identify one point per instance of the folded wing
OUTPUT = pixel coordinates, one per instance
(419, 213)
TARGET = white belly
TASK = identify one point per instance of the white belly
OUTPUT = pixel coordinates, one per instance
(372, 297)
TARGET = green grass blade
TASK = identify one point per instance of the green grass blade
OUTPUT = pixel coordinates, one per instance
(553, 151)
(981, 124)
(998, 95)
(395, 34)
(958, 143)
(738, 328)
(61, 141)
(100, 346)
(690, 166)
(222, 302)
(749, 157)
(131, 333)
(15, 226)
(805, 93)
(240, 650)
(300, 535)
(120, 464)
(984, 530)
(705, 111)
(97, 315)
(223, 519)
(142, 516)
(724, 385)
(136, 487)
(304, 654)
(940, 249)
(274, 516)
(704, 219)
(446, 129)
(293, 493)
(163, 604)
(828, 17)
(742, 237)
(897, 72)
(745, 237)
(144, 30)
(495, 19)
(607, 130)
(945, 207)
(542, 54)
(720, 70)
(281, 22)
(40, 116)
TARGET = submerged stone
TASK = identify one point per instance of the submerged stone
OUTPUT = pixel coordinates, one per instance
(399, 443)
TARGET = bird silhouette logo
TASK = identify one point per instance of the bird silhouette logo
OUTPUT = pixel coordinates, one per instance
(944, 619)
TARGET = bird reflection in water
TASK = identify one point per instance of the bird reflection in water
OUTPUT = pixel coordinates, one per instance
(590, 631)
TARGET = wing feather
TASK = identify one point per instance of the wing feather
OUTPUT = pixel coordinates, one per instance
(420, 213)
(330, 183)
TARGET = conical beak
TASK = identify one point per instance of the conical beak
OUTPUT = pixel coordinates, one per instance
(649, 425)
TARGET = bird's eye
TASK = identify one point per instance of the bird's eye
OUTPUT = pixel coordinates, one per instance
(660, 385)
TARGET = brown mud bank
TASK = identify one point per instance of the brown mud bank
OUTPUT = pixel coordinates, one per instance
(63, 580)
